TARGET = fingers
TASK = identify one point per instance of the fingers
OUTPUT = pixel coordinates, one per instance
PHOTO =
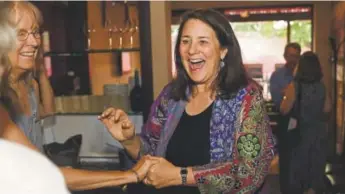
(146, 181)
(112, 114)
(148, 164)
(107, 112)
(145, 165)
(118, 114)
(127, 124)
(153, 157)
(154, 161)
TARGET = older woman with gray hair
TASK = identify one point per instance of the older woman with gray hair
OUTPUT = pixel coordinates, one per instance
(19, 40)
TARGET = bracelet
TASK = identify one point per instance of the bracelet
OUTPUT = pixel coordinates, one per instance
(136, 174)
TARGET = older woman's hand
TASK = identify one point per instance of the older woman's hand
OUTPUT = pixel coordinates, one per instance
(143, 166)
(162, 174)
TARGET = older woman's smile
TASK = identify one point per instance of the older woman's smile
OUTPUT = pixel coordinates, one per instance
(29, 54)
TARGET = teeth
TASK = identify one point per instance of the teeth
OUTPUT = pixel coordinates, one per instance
(196, 60)
(28, 54)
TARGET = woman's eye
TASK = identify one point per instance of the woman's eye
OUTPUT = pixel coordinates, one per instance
(185, 41)
(21, 33)
(203, 42)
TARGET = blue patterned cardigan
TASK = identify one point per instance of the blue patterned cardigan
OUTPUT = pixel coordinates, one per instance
(241, 140)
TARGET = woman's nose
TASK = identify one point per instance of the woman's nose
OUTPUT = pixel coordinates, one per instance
(192, 49)
(32, 40)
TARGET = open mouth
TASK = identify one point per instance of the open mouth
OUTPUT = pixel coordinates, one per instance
(28, 54)
(196, 64)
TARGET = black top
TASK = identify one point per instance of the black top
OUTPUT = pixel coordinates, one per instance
(189, 146)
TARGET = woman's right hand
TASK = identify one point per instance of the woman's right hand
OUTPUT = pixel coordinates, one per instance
(143, 166)
(118, 124)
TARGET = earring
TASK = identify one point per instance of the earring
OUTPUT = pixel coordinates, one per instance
(221, 64)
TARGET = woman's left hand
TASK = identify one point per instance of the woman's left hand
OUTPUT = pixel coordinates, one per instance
(163, 174)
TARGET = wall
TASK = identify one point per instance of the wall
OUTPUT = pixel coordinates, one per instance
(95, 137)
(102, 65)
(161, 44)
(338, 31)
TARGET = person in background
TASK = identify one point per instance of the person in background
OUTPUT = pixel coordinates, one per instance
(282, 77)
(279, 81)
(208, 128)
(306, 97)
(19, 41)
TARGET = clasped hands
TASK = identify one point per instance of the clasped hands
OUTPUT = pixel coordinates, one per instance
(157, 172)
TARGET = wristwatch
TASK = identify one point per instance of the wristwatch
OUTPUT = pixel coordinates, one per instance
(184, 173)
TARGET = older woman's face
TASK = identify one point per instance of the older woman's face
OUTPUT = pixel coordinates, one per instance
(200, 51)
(24, 54)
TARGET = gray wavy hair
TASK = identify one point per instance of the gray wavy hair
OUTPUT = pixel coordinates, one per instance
(7, 31)
(7, 43)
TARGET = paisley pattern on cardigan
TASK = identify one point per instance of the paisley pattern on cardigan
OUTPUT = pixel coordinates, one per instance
(240, 136)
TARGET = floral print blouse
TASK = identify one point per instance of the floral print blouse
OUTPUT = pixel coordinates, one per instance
(242, 144)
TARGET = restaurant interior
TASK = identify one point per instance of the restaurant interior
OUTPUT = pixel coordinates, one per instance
(96, 52)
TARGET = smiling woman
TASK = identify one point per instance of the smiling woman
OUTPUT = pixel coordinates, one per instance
(28, 20)
(208, 127)
(20, 98)
(26, 78)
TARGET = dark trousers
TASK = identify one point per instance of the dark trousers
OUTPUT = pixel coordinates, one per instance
(285, 148)
(283, 165)
(284, 151)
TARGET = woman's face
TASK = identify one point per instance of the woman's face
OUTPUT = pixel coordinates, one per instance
(27, 43)
(200, 51)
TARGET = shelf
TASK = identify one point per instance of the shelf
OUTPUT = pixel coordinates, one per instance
(91, 51)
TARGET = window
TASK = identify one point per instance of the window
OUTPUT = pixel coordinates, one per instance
(174, 32)
(301, 32)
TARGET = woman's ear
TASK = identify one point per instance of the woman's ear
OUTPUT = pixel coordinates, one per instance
(223, 53)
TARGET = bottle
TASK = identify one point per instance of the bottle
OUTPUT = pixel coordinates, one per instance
(136, 94)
